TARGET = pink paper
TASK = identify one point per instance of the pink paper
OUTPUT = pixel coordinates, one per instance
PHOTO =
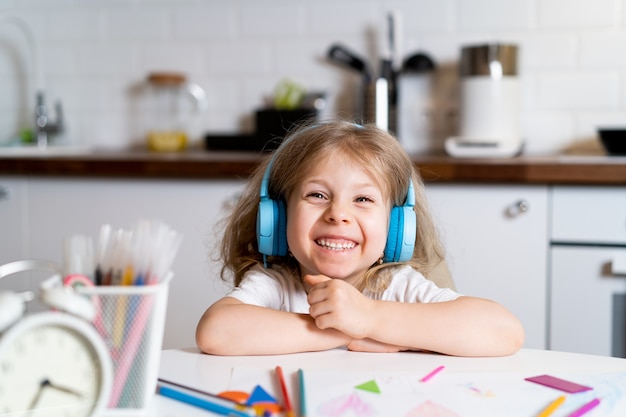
(558, 383)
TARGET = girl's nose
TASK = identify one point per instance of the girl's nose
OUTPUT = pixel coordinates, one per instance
(338, 213)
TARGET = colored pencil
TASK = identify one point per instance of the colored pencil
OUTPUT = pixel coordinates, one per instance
(195, 401)
(283, 389)
(432, 373)
(552, 407)
(302, 393)
(586, 408)
(165, 382)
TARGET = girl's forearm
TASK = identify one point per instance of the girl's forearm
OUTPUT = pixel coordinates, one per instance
(228, 328)
(465, 327)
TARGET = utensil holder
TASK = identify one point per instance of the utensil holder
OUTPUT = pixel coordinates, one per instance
(131, 320)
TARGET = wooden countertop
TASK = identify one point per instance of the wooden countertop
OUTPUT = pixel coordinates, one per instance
(582, 170)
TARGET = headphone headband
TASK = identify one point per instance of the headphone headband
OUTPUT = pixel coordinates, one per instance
(410, 195)
(265, 182)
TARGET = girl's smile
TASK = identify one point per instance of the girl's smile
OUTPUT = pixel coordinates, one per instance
(335, 244)
(337, 220)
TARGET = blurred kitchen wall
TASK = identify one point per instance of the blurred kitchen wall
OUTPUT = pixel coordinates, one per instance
(96, 52)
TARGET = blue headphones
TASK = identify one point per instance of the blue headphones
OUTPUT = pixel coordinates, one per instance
(402, 230)
(271, 225)
(271, 221)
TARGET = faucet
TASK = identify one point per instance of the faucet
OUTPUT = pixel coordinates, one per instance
(44, 127)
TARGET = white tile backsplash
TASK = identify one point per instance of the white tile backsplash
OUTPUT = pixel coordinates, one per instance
(139, 23)
(187, 57)
(104, 59)
(548, 51)
(481, 15)
(603, 50)
(281, 20)
(241, 57)
(579, 90)
(214, 21)
(421, 16)
(84, 24)
(579, 14)
(572, 59)
(341, 17)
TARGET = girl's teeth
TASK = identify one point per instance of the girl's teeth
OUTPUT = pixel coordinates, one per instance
(334, 245)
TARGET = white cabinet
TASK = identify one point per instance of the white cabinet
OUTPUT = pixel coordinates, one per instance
(60, 207)
(587, 311)
(494, 248)
(13, 203)
(589, 215)
(496, 242)
(13, 230)
(14, 237)
(588, 270)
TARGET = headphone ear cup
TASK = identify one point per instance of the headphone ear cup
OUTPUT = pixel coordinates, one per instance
(265, 226)
(271, 228)
(401, 235)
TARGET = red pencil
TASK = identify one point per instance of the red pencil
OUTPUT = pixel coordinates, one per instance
(283, 388)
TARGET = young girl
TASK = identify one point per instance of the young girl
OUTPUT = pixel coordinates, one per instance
(336, 271)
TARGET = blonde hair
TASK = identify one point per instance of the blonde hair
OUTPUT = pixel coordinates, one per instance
(376, 150)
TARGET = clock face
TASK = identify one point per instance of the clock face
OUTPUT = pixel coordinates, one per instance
(51, 368)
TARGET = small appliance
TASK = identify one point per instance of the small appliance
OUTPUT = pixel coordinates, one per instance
(489, 103)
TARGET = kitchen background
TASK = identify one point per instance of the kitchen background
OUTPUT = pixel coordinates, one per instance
(94, 55)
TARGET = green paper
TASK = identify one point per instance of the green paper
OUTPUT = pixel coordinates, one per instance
(370, 386)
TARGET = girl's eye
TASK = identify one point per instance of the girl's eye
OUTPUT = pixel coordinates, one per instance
(363, 199)
(315, 195)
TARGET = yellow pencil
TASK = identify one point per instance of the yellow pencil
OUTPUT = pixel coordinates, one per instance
(553, 406)
(121, 314)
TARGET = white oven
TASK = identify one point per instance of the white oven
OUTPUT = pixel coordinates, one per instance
(587, 280)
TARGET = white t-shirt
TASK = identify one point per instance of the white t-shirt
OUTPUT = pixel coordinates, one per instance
(275, 288)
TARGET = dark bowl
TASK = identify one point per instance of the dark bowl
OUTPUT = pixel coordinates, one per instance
(614, 140)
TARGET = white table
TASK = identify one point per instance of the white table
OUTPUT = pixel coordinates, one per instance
(213, 373)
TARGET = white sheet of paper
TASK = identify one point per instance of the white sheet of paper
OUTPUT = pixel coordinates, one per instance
(448, 394)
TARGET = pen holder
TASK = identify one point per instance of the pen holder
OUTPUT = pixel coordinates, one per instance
(131, 319)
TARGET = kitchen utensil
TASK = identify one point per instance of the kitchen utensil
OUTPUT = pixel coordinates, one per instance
(341, 55)
(379, 95)
(394, 22)
(376, 103)
(418, 62)
(489, 103)
(173, 103)
(613, 140)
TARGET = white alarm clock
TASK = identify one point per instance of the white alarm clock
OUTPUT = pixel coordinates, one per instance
(51, 363)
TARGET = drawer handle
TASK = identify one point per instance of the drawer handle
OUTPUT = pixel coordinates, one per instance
(517, 208)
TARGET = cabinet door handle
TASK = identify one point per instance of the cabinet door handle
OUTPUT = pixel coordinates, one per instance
(517, 208)
(618, 265)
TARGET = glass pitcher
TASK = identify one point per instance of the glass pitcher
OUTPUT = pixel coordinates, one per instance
(173, 104)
